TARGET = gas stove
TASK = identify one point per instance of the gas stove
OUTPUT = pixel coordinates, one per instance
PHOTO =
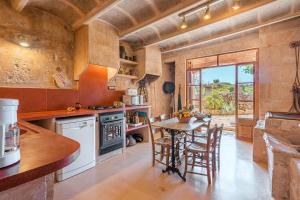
(100, 107)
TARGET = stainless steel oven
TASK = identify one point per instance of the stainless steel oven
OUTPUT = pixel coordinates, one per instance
(111, 131)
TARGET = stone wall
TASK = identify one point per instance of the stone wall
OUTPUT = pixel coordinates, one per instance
(277, 65)
(276, 61)
(237, 43)
(161, 102)
(50, 52)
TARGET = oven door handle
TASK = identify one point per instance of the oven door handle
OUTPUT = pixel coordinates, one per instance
(110, 122)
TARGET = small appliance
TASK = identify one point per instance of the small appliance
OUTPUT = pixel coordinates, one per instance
(9, 132)
(131, 100)
(141, 100)
(131, 92)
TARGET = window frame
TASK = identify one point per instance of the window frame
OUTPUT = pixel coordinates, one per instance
(255, 81)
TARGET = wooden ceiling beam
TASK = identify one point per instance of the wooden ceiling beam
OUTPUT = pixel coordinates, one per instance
(172, 11)
(234, 32)
(99, 10)
(215, 19)
(18, 5)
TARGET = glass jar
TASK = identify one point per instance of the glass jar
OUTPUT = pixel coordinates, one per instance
(12, 137)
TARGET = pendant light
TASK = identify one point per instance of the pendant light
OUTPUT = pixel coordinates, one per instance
(183, 24)
(207, 13)
(236, 4)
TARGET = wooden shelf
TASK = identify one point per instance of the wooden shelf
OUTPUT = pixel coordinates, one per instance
(136, 128)
(129, 62)
(127, 76)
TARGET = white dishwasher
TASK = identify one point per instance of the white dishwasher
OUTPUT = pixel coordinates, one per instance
(81, 129)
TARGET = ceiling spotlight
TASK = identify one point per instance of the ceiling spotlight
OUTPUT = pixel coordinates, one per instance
(183, 23)
(207, 14)
(236, 4)
(23, 41)
(24, 44)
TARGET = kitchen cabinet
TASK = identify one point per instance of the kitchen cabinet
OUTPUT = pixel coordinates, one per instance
(96, 44)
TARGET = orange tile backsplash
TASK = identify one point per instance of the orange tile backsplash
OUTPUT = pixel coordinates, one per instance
(92, 90)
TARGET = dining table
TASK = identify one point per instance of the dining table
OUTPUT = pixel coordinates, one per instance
(175, 126)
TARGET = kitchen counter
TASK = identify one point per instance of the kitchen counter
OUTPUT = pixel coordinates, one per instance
(64, 113)
(42, 152)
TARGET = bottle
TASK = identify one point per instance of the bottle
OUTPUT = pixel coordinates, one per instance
(136, 118)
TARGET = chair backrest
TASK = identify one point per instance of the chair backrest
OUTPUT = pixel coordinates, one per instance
(219, 134)
(164, 117)
(207, 125)
(153, 130)
(211, 139)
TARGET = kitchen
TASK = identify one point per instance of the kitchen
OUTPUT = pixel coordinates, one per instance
(81, 82)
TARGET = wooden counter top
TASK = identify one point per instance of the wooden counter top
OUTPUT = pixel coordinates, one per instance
(64, 113)
(42, 152)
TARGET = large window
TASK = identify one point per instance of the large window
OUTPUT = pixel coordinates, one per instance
(223, 84)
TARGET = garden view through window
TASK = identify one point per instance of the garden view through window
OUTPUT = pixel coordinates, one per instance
(223, 85)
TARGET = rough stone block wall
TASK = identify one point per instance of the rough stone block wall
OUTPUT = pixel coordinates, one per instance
(277, 65)
(276, 61)
(50, 52)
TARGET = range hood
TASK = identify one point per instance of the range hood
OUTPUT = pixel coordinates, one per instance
(150, 64)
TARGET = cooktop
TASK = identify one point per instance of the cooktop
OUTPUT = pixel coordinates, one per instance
(99, 107)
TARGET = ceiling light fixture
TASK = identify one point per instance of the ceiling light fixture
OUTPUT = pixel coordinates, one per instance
(24, 44)
(22, 41)
(183, 24)
(236, 4)
(207, 13)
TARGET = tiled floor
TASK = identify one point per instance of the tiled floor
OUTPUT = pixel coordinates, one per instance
(131, 176)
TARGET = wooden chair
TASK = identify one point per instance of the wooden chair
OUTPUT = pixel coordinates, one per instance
(218, 144)
(162, 141)
(199, 133)
(202, 155)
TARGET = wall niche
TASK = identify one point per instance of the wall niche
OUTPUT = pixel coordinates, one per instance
(49, 55)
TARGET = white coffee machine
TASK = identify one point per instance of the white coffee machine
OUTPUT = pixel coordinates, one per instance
(9, 132)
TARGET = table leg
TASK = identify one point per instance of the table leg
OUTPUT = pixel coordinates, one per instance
(193, 136)
(173, 168)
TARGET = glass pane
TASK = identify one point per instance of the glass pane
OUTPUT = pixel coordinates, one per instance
(246, 99)
(245, 73)
(193, 77)
(193, 92)
(210, 61)
(218, 95)
(238, 57)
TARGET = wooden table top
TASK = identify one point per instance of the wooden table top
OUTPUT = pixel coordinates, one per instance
(42, 152)
(174, 124)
